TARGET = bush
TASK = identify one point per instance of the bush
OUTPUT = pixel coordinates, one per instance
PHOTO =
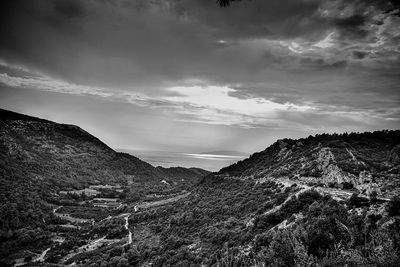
(265, 222)
(347, 185)
(373, 197)
(233, 258)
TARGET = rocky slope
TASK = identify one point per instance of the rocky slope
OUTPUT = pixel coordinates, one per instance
(365, 161)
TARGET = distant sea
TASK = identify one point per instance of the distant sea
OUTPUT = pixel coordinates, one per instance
(210, 162)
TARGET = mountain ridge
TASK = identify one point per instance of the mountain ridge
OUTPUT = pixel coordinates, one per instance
(366, 161)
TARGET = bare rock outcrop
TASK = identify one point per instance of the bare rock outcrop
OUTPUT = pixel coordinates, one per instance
(331, 172)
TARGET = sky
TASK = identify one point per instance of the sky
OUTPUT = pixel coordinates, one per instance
(191, 76)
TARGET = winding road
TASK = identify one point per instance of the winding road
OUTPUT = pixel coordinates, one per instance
(127, 228)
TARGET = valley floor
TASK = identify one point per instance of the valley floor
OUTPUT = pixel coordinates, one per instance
(72, 227)
(214, 223)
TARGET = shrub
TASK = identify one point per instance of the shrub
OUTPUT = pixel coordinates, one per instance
(233, 258)
(347, 185)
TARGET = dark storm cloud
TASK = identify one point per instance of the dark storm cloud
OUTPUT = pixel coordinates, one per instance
(287, 18)
(65, 15)
(69, 9)
(352, 26)
(128, 41)
(359, 54)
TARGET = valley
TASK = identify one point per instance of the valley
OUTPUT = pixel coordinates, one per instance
(73, 227)
(193, 133)
(69, 199)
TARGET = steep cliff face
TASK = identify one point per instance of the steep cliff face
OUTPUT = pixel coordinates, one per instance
(366, 161)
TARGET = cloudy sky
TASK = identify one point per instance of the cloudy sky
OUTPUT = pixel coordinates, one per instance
(188, 75)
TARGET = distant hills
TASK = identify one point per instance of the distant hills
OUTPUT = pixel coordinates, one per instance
(188, 159)
(366, 161)
(226, 153)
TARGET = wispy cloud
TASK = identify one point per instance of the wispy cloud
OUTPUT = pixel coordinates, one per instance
(38, 81)
(211, 104)
(47, 84)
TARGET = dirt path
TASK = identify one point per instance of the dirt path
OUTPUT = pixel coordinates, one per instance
(89, 247)
(147, 205)
(276, 208)
(68, 217)
(55, 210)
(286, 183)
(41, 256)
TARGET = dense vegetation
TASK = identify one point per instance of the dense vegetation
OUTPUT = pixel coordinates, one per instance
(211, 227)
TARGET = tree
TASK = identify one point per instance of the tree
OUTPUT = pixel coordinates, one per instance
(373, 197)
(393, 207)
(285, 249)
(324, 233)
(133, 256)
(357, 201)
(225, 3)
(28, 258)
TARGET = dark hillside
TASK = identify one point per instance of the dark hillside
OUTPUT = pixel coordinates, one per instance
(72, 156)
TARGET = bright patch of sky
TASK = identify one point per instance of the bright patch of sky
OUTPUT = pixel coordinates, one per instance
(220, 98)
